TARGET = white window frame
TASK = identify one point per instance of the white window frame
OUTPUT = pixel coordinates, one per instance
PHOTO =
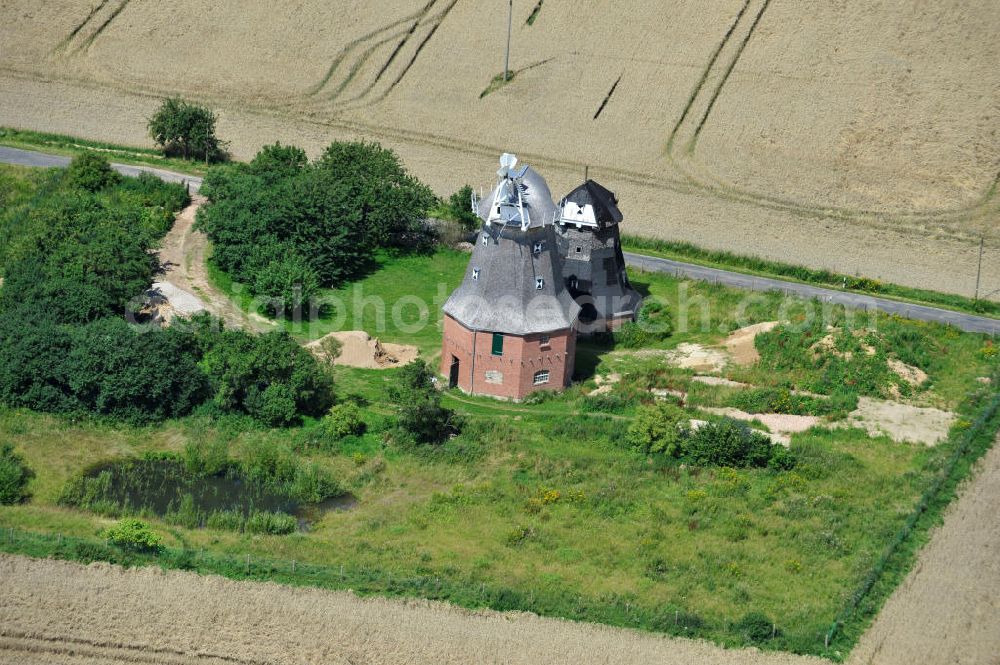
(541, 377)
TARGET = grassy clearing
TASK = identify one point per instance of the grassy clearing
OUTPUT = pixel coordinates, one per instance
(383, 304)
(751, 265)
(60, 144)
(540, 506)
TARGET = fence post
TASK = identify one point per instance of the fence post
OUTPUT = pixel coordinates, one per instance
(341, 571)
(248, 564)
(293, 566)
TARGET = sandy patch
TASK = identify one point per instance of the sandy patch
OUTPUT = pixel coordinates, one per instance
(902, 422)
(719, 381)
(359, 349)
(182, 254)
(782, 425)
(740, 343)
(912, 375)
(690, 356)
(165, 302)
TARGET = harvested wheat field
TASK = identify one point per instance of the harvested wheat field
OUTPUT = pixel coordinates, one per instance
(860, 138)
(57, 612)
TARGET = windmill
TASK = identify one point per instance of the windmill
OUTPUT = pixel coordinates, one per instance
(508, 198)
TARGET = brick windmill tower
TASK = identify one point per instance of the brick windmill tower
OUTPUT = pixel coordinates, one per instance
(510, 328)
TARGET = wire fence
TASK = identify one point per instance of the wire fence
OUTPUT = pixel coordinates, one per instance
(985, 425)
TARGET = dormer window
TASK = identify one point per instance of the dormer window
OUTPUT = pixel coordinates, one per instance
(537, 249)
(539, 283)
(475, 274)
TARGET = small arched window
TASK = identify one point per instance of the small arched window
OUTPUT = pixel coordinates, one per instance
(541, 377)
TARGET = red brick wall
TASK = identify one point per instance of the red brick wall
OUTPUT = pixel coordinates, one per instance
(522, 358)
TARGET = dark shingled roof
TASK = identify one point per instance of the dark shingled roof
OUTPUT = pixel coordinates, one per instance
(604, 202)
(504, 296)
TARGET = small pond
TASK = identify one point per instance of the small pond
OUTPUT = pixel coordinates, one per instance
(165, 486)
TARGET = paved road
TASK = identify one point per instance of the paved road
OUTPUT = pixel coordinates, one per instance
(44, 160)
(967, 322)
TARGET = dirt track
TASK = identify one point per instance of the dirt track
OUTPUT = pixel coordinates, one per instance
(56, 612)
(182, 256)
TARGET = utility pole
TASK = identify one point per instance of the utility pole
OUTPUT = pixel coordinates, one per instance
(979, 270)
(510, 27)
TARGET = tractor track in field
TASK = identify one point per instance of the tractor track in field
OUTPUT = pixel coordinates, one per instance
(30, 645)
(356, 61)
(683, 141)
(85, 42)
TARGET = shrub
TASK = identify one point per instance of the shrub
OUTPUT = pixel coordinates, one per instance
(134, 535)
(658, 428)
(91, 172)
(755, 628)
(206, 458)
(728, 443)
(652, 324)
(277, 524)
(342, 421)
(186, 129)
(424, 418)
(14, 476)
(421, 415)
(269, 377)
(225, 520)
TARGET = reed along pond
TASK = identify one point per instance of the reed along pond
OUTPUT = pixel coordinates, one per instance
(167, 489)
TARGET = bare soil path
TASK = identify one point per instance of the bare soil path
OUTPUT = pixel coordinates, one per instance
(183, 255)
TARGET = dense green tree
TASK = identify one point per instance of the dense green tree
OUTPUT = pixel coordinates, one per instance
(186, 129)
(269, 377)
(137, 377)
(271, 219)
(392, 203)
(460, 208)
(33, 349)
(92, 172)
(87, 260)
(290, 284)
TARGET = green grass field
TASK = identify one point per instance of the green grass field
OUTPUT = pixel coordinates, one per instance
(545, 502)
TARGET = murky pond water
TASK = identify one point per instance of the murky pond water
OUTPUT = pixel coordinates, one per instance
(164, 486)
